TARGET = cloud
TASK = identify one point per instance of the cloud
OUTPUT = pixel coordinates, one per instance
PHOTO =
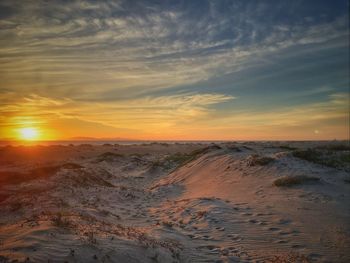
(149, 113)
(180, 116)
(142, 64)
(122, 47)
(330, 117)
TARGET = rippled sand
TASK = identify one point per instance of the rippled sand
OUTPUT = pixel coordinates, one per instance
(175, 203)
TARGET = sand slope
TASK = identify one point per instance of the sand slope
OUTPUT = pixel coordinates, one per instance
(171, 203)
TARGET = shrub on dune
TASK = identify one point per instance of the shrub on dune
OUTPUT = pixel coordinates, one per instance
(294, 180)
(109, 157)
(287, 147)
(180, 159)
(335, 147)
(259, 160)
(59, 221)
(71, 166)
(338, 157)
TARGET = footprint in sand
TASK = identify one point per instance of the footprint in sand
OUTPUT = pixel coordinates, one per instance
(273, 229)
(262, 223)
(297, 246)
(283, 221)
(259, 192)
(235, 237)
(259, 214)
(253, 221)
(233, 249)
(247, 214)
(281, 241)
(211, 247)
(284, 233)
(207, 238)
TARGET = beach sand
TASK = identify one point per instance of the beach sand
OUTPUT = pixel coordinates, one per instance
(182, 202)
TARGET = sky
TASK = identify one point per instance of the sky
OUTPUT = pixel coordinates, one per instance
(175, 70)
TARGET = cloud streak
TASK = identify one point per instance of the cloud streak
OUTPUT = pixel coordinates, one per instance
(155, 61)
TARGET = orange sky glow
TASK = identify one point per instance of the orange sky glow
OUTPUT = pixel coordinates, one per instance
(205, 71)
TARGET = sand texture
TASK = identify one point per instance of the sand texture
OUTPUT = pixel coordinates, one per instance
(223, 202)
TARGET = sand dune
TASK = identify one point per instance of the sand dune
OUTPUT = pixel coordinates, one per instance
(228, 202)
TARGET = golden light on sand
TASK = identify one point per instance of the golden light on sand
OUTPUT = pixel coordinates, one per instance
(29, 134)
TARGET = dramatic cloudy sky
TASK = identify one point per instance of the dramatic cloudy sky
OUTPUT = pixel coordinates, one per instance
(175, 69)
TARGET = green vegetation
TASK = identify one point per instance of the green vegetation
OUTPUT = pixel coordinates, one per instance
(109, 157)
(347, 180)
(291, 257)
(260, 160)
(287, 147)
(234, 148)
(91, 238)
(81, 178)
(294, 180)
(247, 147)
(71, 166)
(335, 147)
(15, 206)
(138, 155)
(59, 221)
(167, 224)
(200, 214)
(9, 177)
(336, 158)
(181, 159)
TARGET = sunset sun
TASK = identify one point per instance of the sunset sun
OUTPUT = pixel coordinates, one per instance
(29, 133)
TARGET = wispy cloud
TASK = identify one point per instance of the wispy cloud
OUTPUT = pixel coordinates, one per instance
(150, 61)
(158, 48)
(149, 113)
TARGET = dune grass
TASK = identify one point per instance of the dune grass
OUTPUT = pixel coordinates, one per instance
(168, 224)
(82, 178)
(292, 180)
(257, 160)
(79, 178)
(334, 147)
(60, 221)
(331, 156)
(291, 257)
(109, 156)
(287, 147)
(180, 159)
(71, 166)
(10, 177)
(347, 180)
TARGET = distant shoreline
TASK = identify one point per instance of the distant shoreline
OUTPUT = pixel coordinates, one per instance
(136, 142)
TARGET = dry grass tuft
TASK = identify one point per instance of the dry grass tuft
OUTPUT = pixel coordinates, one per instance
(9, 177)
(82, 178)
(347, 180)
(287, 147)
(109, 157)
(335, 147)
(71, 166)
(201, 213)
(91, 239)
(180, 159)
(167, 223)
(290, 258)
(59, 221)
(257, 160)
(336, 157)
(294, 180)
